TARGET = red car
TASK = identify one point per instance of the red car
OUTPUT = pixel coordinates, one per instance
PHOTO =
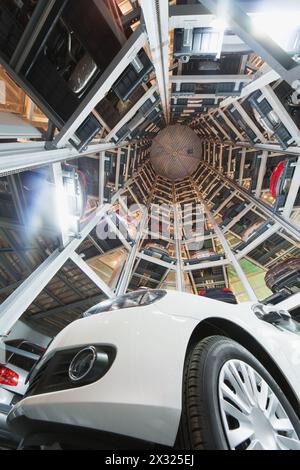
(277, 179)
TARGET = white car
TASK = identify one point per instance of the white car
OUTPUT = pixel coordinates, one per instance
(163, 368)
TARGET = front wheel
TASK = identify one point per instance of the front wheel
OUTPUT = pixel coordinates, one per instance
(230, 401)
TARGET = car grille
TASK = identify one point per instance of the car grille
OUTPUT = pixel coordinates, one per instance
(53, 375)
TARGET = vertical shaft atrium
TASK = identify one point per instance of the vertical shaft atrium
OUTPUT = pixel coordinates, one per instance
(166, 144)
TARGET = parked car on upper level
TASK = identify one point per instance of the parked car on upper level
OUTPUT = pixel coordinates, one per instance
(199, 256)
(249, 231)
(158, 251)
(285, 276)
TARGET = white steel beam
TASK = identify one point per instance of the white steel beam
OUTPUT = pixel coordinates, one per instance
(178, 238)
(127, 162)
(101, 177)
(242, 166)
(156, 18)
(261, 173)
(293, 191)
(27, 155)
(274, 148)
(126, 273)
(196, 96)
(118, 166)
(211, 78)
(205, 265)
(229, 160)
(221, 157)
(90, 273)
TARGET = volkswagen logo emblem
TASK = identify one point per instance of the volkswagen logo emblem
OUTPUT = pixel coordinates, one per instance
(82, 363)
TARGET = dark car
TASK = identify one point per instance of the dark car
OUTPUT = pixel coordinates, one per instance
(285, 276)
(223, 295)
(202, 256)
(71, 48)
(157, 251)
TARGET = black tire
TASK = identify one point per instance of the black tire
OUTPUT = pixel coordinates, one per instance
(201, 425)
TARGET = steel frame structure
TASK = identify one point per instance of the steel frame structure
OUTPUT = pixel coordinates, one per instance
(218, 148)
(16, 157)
(156, 18)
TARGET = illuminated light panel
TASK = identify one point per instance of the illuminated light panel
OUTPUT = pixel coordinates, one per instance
(282, 26)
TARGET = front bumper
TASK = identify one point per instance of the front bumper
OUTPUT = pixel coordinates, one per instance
(141, 395)
(45, 433)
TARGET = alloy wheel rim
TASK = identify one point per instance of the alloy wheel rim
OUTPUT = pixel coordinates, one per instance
(252, 414)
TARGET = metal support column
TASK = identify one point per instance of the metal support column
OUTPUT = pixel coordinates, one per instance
(228, 252)
(293, 191)
(242, 166)
(178, 237)
(118, 166)
(261, 173)
(101, 177)
(156, 17)
(125, 276)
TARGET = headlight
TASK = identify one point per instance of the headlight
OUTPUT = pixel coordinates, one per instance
(139, 298)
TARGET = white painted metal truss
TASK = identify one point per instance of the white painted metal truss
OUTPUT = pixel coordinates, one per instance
(20, 156)
(156, 17)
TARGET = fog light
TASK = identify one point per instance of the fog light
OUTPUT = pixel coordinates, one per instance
(82, 364)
